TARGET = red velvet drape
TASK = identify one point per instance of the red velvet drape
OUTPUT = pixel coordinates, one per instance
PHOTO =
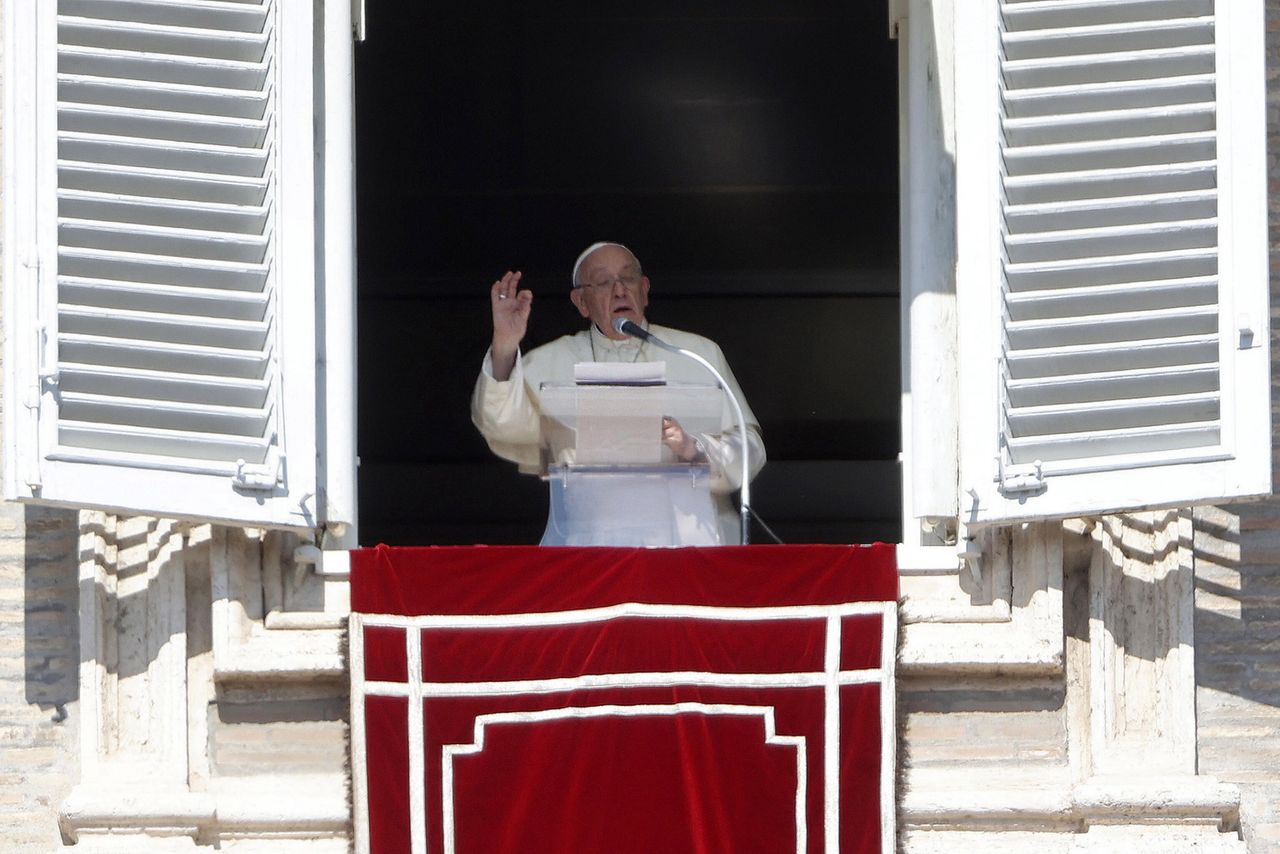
(624, 700)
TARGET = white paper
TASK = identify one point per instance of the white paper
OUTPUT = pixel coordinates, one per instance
(620, 373)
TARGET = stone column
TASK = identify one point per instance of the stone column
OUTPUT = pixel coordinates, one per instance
(134, 792)
(1135, 684)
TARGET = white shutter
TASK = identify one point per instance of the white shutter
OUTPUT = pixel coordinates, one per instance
(1112, 271)
(160, 279)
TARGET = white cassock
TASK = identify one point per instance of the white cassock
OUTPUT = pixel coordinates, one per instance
(508, 416)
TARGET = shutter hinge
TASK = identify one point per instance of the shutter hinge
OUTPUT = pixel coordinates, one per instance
(1020, 480)
(48, 364)
(45, 380)
(970, 554)
(46, 370)
(260, 476)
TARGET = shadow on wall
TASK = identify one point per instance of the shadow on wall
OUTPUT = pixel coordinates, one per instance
(1144, 574)
(1237, 552)
(1238, 546)
(1236, 557)
(51, 609)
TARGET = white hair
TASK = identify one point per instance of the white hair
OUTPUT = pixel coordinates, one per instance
(577, 265)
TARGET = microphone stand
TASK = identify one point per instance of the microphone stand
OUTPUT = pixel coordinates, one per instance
(635, 330)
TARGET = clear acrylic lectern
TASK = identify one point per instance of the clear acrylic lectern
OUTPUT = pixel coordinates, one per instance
(612, 481)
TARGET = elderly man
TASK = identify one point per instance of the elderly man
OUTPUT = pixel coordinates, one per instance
(607, 283)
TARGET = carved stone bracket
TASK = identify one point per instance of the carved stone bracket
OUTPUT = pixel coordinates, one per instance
(270, 621)
(1011, 622)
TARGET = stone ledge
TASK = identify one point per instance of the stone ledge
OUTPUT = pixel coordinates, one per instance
(283, 654)
(1139, 801)
(1101, 840)
(950, 648)
(965, 802)
(287, 805)
(298, 807)
(995, 798)
(106, 809)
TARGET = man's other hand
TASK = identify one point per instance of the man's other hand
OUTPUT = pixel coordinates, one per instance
(680, 442)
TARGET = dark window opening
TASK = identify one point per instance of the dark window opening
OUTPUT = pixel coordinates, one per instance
(747, 152)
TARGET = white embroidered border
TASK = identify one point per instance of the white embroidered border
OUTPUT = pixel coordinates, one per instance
(417, 744)
(888, 728)
(831, 738)
(359, 743)
(661, 679)
(766, 712)
(625, 609)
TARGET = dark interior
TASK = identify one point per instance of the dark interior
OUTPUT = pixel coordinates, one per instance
(747, 153)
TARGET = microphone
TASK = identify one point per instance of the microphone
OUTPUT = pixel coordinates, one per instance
(635, 330)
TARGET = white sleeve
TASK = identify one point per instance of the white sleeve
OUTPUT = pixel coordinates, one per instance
(724, 453)
(724, 449)
(505, 416)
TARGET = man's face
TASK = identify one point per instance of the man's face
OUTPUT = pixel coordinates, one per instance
(611, 286)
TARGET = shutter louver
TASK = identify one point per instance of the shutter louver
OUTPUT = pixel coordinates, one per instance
(163, 288)
(1119, 178)
(1110, 230)
(164, 229)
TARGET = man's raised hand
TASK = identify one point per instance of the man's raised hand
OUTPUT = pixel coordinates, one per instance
(511, 308)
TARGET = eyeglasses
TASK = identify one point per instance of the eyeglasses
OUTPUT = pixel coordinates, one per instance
(630, 281)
